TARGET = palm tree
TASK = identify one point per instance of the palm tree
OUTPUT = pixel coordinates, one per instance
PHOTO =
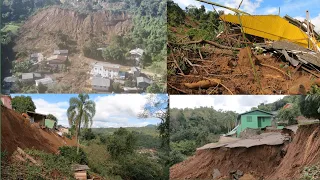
(80, 113)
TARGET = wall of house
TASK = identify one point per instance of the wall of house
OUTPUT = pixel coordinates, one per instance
(6, 101)
(265, 121)
(99, 88)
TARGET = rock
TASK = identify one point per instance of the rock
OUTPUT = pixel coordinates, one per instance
(216, 174)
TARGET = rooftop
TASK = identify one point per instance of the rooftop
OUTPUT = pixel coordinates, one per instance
(57, 52)
(44, 81)
(137, 51)
(144, 79)
(58, 57)
(27, 76)
(106, 65)
(99, 81)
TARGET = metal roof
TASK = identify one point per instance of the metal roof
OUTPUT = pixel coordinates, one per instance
(45, 81)
(98, 81)
(144, 79)
(60, 52)
(27, 76)
(10, 79)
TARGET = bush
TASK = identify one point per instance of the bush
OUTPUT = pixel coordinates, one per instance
(71, 154)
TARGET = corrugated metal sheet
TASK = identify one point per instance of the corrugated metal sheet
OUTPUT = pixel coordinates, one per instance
(271, 27)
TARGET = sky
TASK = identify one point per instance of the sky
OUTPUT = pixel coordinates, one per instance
(112, 110)
(237, 103)
(293, 8)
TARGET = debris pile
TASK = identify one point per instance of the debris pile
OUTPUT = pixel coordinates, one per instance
(247, 57)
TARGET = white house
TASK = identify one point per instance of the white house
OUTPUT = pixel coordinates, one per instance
(105, 70)
(136, 54)
(45, 81)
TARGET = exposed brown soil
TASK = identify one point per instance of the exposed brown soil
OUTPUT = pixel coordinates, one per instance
(236, 74)
(303, 151)
(261, 162)
(16, 131)
(41, 31)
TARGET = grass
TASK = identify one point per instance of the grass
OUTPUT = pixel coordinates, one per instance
(14, 28)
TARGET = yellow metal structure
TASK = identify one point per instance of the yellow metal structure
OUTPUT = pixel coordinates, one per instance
(272, 27)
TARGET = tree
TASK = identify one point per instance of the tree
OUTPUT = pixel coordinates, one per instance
(80, 113)
(42, 88)
(289, 114)
(23, 104)
(121, 143)
(310, 106)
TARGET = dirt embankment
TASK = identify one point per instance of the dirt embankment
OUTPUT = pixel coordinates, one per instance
(18, 132)
(303, 151)
(258, 160)
(50, 27)
(265, 162)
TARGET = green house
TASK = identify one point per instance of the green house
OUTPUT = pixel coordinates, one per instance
(256, 119)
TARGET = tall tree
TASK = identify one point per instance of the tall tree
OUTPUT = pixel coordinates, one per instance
(310, 106)
(80, 113)
(23, 104)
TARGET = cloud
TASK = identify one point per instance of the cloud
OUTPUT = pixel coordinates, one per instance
(185, 3)
(119, 110)
(224, 102)
(316, 22)
(57, 109)
(271, 10)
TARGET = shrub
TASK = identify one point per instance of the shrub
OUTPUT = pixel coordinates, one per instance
(71, 154)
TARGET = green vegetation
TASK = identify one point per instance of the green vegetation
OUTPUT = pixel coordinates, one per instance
(289, 114)
(311, 172)
(51, 167)
(192, 128)
(23, 104)
(71, 154)
(310, 106)
(80, 112)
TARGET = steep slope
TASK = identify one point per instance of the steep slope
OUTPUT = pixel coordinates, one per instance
(56, 27)
(18, 132)
(303, 151)
(266, 162)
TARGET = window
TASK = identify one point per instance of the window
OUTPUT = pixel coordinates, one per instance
(249, 119)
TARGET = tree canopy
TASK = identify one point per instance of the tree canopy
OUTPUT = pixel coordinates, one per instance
(23, 104)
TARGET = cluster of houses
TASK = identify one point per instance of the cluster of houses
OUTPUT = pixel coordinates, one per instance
(104, 74)
(56, 62)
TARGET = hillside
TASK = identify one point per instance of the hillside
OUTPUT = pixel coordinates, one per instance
(57, 27)
(16, 131)
(264, 161)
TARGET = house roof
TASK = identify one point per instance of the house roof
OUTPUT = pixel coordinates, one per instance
(144, 79)
(98, 81)
(137, 51)
(78, 167)
(60, 58)
(106, 65)
(27, 76)
(10, 79)
(256, 110)
(56, 52)
(133, 69)
(36, 55)
(45, 81)
(30, 112)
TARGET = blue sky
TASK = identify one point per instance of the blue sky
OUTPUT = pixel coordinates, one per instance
(112, 110)
(294, 8)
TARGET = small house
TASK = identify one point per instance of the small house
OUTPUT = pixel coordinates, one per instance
(27, 77)
(80, 171)
(57, 61)
(61, 52)
(143, 82)
(6, 101)
(30, 77)
(36, 57)
(105, 70)
(63, 130)
(37, 118)
(256, 119)
(45, 81)
(10, 79)
(136, 55)
(135, 71)
(100, 84)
